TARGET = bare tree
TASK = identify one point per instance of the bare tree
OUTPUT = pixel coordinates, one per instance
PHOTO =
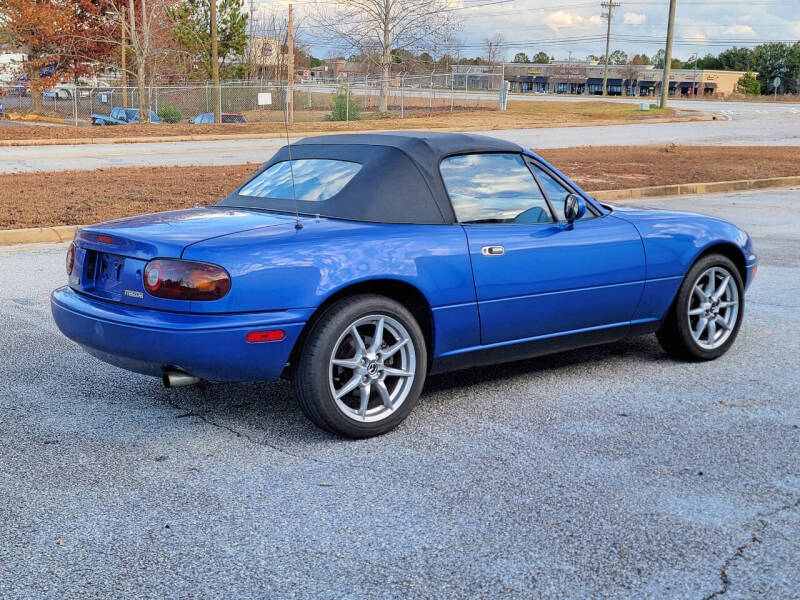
(141, 19)
(373, 28)
(493, 49)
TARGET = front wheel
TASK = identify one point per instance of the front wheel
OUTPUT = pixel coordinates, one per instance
(707, 313)
(362, 367)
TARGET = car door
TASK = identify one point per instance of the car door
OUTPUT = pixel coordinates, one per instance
(535, 274)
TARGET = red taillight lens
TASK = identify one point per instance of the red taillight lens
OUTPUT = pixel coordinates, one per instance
(70, 258)
(185, 280)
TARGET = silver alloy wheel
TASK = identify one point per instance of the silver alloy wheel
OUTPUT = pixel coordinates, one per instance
(713, 307)
(372, 368)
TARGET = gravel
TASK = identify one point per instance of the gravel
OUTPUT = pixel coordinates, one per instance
(612, 472)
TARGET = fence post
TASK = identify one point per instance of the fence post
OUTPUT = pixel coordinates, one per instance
(402, 96)
(452, 91)
(75, 105)
(347, 104)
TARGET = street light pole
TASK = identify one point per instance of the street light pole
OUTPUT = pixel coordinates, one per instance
(668, 55)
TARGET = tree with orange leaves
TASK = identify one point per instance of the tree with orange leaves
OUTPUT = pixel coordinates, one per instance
(64, 39)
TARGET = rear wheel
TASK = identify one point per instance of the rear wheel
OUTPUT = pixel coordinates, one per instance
(362, 367)
(705, 318)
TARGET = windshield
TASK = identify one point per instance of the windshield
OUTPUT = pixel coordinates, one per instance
(315, 180)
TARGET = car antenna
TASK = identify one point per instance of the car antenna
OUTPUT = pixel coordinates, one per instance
(297, 224)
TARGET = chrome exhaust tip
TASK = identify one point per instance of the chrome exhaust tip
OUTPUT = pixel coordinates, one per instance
(172, 379)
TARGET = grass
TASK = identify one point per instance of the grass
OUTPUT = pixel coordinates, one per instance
(79, 197)
(417, 112)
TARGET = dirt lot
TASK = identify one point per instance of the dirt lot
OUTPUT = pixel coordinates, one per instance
(77, 197)
(520, 115)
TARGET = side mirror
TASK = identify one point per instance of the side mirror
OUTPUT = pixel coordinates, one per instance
(574, 208)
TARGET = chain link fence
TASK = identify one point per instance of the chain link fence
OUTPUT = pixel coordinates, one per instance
(259, 101)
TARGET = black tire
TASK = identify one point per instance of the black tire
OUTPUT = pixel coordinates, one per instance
(675, 336)
(311, 376)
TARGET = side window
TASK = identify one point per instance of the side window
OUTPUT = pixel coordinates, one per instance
(493, 188)
(556, 193)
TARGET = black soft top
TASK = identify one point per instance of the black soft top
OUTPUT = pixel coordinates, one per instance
(399, 181)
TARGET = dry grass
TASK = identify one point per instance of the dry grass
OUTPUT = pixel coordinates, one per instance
(77, 197)
(520, 114)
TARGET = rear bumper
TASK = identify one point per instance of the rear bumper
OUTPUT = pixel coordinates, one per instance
(209, 346)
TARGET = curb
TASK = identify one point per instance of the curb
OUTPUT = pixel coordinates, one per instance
(65, 233)
(59, 233)
(681, 189)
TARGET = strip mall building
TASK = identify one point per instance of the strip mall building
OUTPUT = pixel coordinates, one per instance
(623, 80)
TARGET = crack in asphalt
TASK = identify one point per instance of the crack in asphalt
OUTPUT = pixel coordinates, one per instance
(739, 552)
(205, 419)
(240, 434)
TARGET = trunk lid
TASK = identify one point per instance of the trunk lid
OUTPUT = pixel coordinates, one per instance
(110, 257)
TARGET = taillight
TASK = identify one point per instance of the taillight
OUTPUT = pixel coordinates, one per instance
(70, 258)
(185, 280)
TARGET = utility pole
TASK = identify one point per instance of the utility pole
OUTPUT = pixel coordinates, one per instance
(215, 63)
(668, 55)
(569, 74)
(610, 6)
(124, 66)
(290, 70)
(250, 54)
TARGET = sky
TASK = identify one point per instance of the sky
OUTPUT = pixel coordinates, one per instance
(577, 26)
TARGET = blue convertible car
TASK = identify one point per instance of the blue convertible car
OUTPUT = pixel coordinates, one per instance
(358, 264)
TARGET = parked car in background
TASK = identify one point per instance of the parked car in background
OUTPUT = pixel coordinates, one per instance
(358, 264)
(122, 116)
(20, 87)
(204, 118)
(2, 109)
(68, 90)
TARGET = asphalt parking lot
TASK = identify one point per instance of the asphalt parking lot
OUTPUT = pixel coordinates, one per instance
(612, 472)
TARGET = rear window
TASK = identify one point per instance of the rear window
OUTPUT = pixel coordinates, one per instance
(315, 179)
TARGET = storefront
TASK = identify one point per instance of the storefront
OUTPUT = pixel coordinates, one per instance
(673, 86)
(594, 86)
(586, 78)
(614, 87)
(687, 88)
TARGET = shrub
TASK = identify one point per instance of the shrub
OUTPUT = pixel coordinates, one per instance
(170, 114)
(748, 84)
(345, 106)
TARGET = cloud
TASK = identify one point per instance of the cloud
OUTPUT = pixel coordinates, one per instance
(562, 19)
(739, 30)
(632, 18)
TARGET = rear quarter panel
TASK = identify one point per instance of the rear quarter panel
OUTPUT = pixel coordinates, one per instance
(280, 268)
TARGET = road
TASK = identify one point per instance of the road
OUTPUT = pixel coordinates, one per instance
(610, 473)
(776, 128)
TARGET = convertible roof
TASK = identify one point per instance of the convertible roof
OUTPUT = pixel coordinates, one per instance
(419, 145)
(399, 181)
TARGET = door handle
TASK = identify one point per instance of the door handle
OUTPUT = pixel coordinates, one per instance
(493, 251)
